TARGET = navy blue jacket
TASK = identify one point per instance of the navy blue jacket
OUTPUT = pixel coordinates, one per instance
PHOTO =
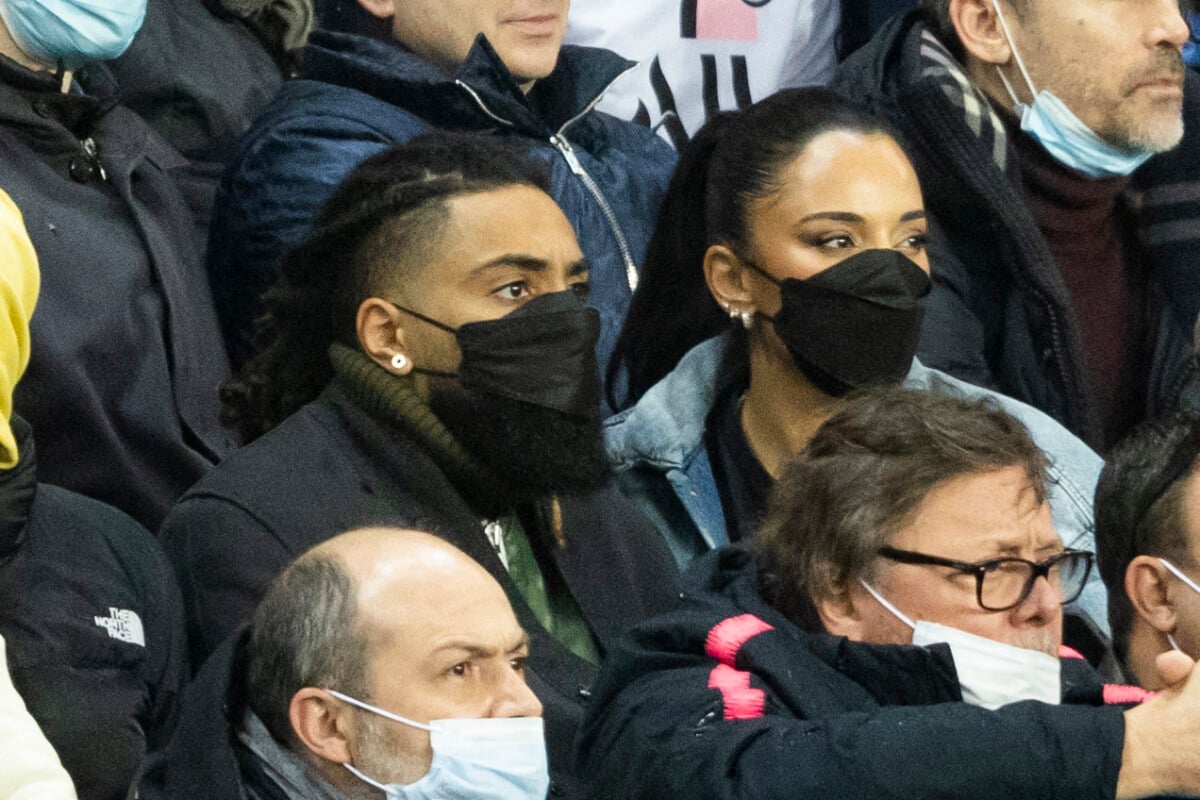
(359, 95)
(725, 698)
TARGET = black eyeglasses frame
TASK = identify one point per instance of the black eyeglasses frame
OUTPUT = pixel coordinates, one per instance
(980, 570)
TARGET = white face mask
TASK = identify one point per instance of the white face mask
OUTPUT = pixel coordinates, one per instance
(991, 674)
(473, 759)
(1059, 131)
(1191, 584)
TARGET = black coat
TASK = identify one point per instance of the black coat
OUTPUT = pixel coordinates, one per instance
(199, 81)
(94, 626)
(332, 467)
(802, 715)
(127, 358)
(1000, 315)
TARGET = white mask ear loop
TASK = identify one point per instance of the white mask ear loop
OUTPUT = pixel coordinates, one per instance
(1178, 573)
(387, 715)
(900, 615)
(1016, 56)
(358, 774)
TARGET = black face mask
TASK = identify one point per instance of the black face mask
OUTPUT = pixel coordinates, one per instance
(543, 354)
(856, 324)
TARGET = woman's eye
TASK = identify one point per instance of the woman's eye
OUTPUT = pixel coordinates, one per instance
(918, 241)
(835, 242)
(513, 291)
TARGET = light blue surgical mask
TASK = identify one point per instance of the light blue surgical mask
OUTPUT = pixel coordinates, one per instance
(1062, 134)
(1191, 584)
(473, 759)
(72, 31)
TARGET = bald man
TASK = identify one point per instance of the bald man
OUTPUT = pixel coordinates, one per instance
(381, 662)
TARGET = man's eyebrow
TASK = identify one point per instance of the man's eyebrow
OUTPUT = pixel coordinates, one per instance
(580, 267)
(912, 215)
(519, 260)
(469, 647)
(836, 216)
(522, 644)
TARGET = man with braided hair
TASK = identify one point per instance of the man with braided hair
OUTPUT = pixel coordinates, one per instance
(443, 376)
(379, 72)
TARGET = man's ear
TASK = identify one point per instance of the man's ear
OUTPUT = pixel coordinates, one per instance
(980, 31)
(837, 607)
(381, 9)
(381, 336)
(725, 275)
(1148, 586)
(321, 724)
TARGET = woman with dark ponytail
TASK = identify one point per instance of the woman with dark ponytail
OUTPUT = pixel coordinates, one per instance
(787, 270)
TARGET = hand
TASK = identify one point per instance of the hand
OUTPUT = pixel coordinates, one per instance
(1162, 736)
(1173, 667)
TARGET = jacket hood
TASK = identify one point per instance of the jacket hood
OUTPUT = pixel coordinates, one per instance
(19, 284)
(481, 87)
(724, 585)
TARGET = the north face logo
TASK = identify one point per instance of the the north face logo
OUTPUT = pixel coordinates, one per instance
(123, 625)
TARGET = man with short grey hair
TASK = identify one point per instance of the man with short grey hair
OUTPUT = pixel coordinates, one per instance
(381, 662)
(1058, 145)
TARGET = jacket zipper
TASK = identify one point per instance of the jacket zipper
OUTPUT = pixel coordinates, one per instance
(560, 142)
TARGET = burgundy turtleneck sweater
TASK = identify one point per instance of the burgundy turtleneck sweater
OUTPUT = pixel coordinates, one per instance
(1079, 218)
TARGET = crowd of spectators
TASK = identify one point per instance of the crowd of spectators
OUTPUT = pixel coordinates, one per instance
(576, 399)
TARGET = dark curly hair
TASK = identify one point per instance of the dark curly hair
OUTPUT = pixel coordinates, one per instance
(367, 240)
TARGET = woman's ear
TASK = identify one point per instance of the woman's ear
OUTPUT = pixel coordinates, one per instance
(725, 275)
(381, 335)
(321, 724)
(1148, 587)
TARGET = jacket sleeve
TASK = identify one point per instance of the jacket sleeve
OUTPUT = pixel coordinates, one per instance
(30, 769)
(266, 204)
(224, 557)
(660, 738)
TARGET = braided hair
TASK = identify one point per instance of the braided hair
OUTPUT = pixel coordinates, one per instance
(367, 240)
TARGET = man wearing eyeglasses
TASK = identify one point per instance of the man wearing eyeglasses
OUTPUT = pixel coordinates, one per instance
(789, 669)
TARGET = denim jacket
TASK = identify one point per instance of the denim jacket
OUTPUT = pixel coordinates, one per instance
(657, 450)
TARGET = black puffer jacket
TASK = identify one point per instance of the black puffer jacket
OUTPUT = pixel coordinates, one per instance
(725, 698)
(1000, 315)
(94, 625)
(127, 358)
